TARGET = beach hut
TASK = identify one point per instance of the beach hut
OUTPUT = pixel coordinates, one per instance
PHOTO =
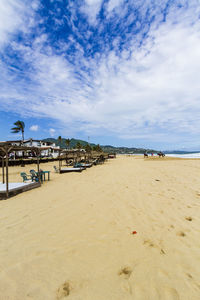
(8, 189)
(72, 155)
(76, 157)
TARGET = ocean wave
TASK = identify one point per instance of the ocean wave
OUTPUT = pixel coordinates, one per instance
(189, 155)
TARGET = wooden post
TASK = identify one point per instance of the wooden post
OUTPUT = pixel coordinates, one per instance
(7, 190)
(66, 160)
(80, 156)
(38, 162)
(76, 155)
(59, 161)
(3, 174)
(38, 166)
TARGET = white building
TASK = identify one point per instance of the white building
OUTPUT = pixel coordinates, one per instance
(51, 149)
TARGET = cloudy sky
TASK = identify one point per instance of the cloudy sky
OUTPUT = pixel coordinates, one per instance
(121, 72)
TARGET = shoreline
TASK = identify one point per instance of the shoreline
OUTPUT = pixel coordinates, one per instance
(154, 157)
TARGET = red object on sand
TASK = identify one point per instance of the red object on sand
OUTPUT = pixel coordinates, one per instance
(134, 232)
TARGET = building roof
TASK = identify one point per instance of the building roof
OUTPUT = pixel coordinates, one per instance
(8, 147)
(26, 141)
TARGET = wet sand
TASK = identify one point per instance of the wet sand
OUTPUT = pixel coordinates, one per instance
(72, 238)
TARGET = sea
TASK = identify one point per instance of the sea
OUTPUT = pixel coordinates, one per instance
(188, 155)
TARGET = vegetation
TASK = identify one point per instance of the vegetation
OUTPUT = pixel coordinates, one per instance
(19, 127)
(59, 140)
(88, 148)
(72, 143)
(67, 141)
(126, 150)
(97, 148)
(78, 146)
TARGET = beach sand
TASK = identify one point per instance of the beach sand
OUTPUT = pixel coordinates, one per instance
(72, 238)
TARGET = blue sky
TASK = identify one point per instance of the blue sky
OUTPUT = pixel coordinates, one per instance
(121, 72)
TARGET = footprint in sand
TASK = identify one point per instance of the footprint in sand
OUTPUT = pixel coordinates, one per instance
(162, 251)
(149, 243)
(181, 233)
(152, 245)
(125, 272)
(188, 218)
(64, 291)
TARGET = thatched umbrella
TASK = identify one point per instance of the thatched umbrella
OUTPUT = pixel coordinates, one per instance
(5, 149)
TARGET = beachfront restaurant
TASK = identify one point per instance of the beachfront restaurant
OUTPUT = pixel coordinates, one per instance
(49, 149)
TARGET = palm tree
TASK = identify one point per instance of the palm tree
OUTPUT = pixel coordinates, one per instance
(78, 146)
(19, 127)
(67, 142)
(88, 148)
(98, 148)
(60, 140)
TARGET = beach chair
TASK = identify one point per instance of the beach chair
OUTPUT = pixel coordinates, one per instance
(94, 162)
(34, 175)
(56, 169)
(33, 172)
(80, 165)
(26, 178)
(68, 169)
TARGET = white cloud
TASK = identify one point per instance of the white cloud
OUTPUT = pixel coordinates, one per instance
(9, 18)
(160, 88)
(15, 15)
(112, 4)
(52, 131)
(34, 128)
(91, 8)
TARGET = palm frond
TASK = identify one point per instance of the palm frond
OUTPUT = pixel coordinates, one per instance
(19, 127)
(15, 129)
(20, 124)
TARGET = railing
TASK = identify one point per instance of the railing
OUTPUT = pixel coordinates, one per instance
(28, 161)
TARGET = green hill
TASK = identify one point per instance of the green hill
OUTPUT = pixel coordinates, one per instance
(126, 150)
(106, 148)
(72, 144)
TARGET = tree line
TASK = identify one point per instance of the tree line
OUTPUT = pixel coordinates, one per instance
(79, 146)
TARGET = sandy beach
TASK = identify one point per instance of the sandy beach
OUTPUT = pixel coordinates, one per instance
(72, 238)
